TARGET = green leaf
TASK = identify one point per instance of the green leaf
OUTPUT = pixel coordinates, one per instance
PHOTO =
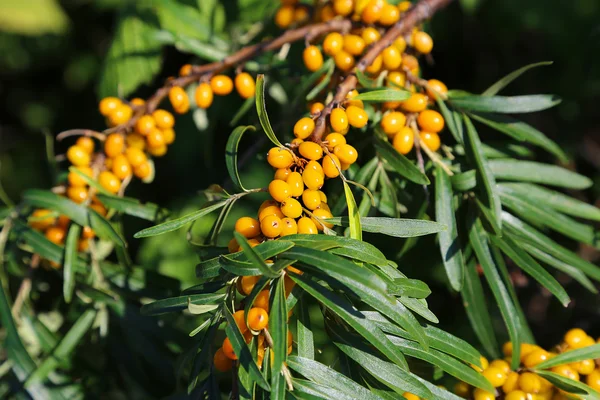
(568, 385)
(133, 207)
(33, 17)
(419, 306)
(254, 257)
(530, 171)
(364, 80)
(241, 350)
(397, 227)
(306, 390)
(89, 180)
(522, 132)
(174, 304)
(175, 224)
(506, 80)
(399, 163)
(505, 104)
(464, 181)
(261, 109)
(484, 172)
(477, 311)
(409, 288)
(571, 356)
(439, 391)
(231, 152)
(278, 316)
(448, 364)
(448, 239)
(304, 336)
(348, 313)
(381, 96)
(70, 260)
(450, 121)
(326, 376)
(531, 267)
(478, 240)
(550, 198)
(64, 348)
(353, 216)
(133, 59)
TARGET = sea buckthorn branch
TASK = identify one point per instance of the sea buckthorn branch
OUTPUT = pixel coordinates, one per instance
(241, 56)
(420, 12)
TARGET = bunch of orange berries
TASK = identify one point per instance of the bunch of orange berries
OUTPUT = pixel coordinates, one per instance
(525, 384)
(291, 12)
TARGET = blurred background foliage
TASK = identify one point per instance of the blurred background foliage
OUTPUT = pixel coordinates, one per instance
(57, 58)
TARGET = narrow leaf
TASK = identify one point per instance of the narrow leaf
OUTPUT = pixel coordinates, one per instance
(506, 80)
(381, 96)
(262, 110)
(179, 303)
(400, 163)
(70, 260)
(397, 227)
(506, 104)
(231, 153)
(133, 207)
(353, 216)
(568, 385)
(571, 356)
(254, 256)
(304, 337)
(530, 171)
(278, 316)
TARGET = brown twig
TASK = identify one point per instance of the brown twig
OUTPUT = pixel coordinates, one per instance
(420, 12)
(284, 369)
(241, 56)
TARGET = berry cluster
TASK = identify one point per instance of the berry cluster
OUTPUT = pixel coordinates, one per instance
(524, 384)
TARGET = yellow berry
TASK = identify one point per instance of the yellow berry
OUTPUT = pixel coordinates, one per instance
(109, 181)
(163, 119)
(339, 120)
(280, 158)
(416, 103)
(221, 85)
(145, 124)
(86, 143)
(393, 122)
(78, 156)
(343, 7)
(271, 226)
(313, 59)
(574, 338)
(422, 42)
(593, 380)
(135, 140)
(284, 17)
(435, 88)
(344, 61)
(331, 166)
(245, 85)
(370, 35)
(334, 139)
(462, 389)
(480, 394)
(120, 115)
(354, 45)
(135, 156)
(291, 208)
(143, 170)
(430, 121)
(310, 151)
(270, 210)
(333, 43)
(319, 215)
(288, 227)
(282, 174)
(390, 15)
(77, 194)
(311, 199)
(313, 179)
(397, 79)
(43, 219)
(155, 139)
(431, 140)
(346, 153)
(375, 67)
(179, 99)
(501, 365)
(121, 167)
(247, 227)
(279, 190)
(516, 395)
(584, 367)
(316, 108)
(372, 12)
(304, 127)
(410, 396)
(495, 376)
(204, 95)
(76, 180)
(307, 226)
(391, 57)
(357, 117)
(511, 383)
(535, 357)
(296, 184)
(108, 105)
(404, 140)
(400, 44)
(530, 383)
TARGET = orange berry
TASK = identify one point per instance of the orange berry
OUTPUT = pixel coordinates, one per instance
(339, 120)
(310, 150)
(169, 135)
(245, 85)
(435, 88)
(319, 215)
(203, 95)
(326, 13)
(137, 102)
(99, 208)
(76, 180)
(163, 119)
(279, 190)
(108, 105)
(282, 174)
(185, 70)
(416, 103)
(397, 79)
(114, 145)
(247, 283)
(311, 199)
(291, 208)
(221, 85)
(233, 245)
(333, 43)
(296, 184)
(301, 13)
(284, 16)
(304, 127)
(431, 121)
(566, 371)
(343, 7)
(135, 140)
(375, 66)
(393, 122)
(404, 140)
(270, 210)
(143, 170)
(227, 348)
(351, 101)
(313, 59)
(120, 115)
(238, 317)
(77, 194)
(333, 139)
(307, 226)
(357, 117)
(145, 124)
(280, 158)
(535, 357)
(313, 179)
(43, 219)
(354, 44)
(78, 156)
(316, 108)
(331, 166)
(262, 300)
(410, 396)
(391, 57)
(575, 337)
(389, 15)
(258, 319)
(121, 167)
(158, 151)
(86, 143)
(109, 181)
(495, 376)
(288, 227)
(155, 139)
(422, 42)
(344, 61)
(409, 61)
(87, 233)
(346, 153)
(370, 35)
(247, 227)
(372, 11)
(400, 44)
(136, 157)
(179, 99)
(56, 235)
(431, 140)
(221, 362)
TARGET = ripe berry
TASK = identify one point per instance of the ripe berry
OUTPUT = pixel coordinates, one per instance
(316, 108)
(78, 156)
(304, 127)
(404, 6)
(416, 103)
(323, 196)
(238, 317)
(400, 44)
(291, 208)
(307, 226)
(297, 142)
(313, 59)
(86, 143)
(396, 79)
(410, 396)
(221, 85)
(76, 180)
(480, 394)
(163, 119)
(179, 100)
(344, 61)
(334, 139)
(495, 376)
(313, 179)
(185, 70)
(221, 362)
(288, 227)
(169, 135)
(370, 35)
(296, 184)
(530, 383)
(484, 364)
(327, 13)
(279, 190)
(301, 13)
(245, 85)
(333, 43)
(284, 16)
(310, 151)
(247, 283)
(512, 382)
(584, 367)
(357, 117)
(247, 227)
(143, 170)
(389, 15)
(99, 208)
(535, 357)
(593, 380)
(346, 153)
(350, 101)
(108, 105)
(233, 245)
(228, 349)
(393, 122)
(319, 215)
(331, 166)
(43, 219)
(155, 139)
(77, 194)
(411, 63)
(343, 7)
(372, 12)
(311, 199)
(516, 395)
(431, 121)
(566, 371)
(422, 42)
(258, 319)
(354, 45)
(56, 235)
(270, 210)
(462, 389)
(137, 102)
(135, 156)
(435, 88)
(391, 57)
(339, 120)
(575, 337)
(279, 158)
(404, 140)
(145, 124)
(135, 140)
(375, 66)
(203, 95)
(282, 174)
(262, 299)
(501, 365)
(120, 115)
(109, 181)
(87, 233)
(121, 167)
